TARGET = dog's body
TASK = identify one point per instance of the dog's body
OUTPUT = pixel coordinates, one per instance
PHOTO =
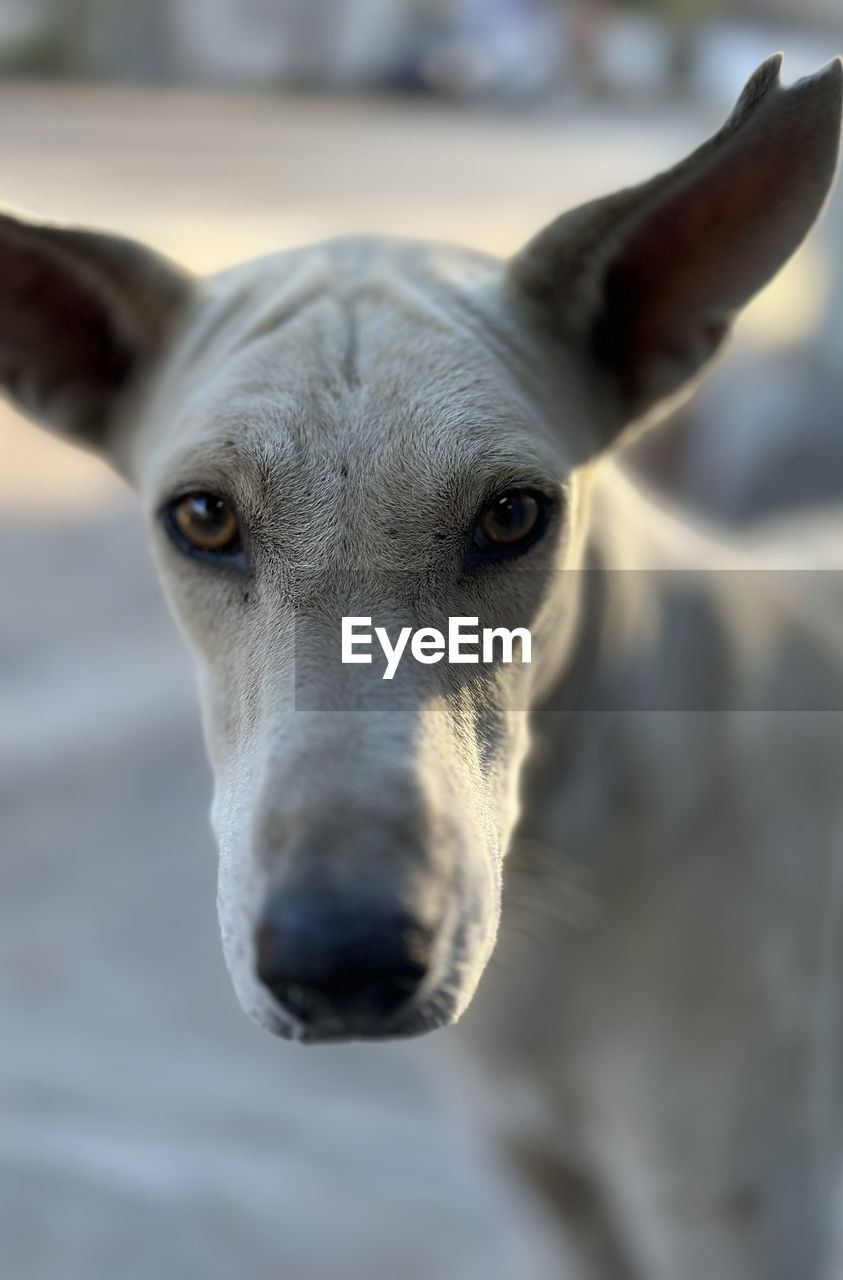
(667, 979)
(415, 432)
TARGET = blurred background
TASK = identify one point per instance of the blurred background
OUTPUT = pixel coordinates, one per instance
(146, 1128)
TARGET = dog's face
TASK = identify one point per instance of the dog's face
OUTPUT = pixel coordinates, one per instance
(404, 433)
(347, 431)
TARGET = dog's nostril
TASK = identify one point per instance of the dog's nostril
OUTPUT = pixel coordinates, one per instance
(333, 956)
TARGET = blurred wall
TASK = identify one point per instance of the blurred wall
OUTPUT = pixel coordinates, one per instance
(515, 47)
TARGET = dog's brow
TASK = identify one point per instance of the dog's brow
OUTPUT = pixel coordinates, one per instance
(213, 461)
(490, 471)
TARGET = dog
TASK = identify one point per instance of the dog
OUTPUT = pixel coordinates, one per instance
(409, 434)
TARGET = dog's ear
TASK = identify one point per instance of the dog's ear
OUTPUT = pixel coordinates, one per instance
(646, 282)
(82, 315)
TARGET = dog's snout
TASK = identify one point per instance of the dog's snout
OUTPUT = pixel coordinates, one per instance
(340, 957)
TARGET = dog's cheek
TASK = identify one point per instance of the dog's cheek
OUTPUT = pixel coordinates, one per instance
(222, 728)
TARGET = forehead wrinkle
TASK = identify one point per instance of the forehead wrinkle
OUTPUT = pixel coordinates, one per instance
(240, 305)
(307, 361)
(264, 304)
(339, 326)
(361, 321)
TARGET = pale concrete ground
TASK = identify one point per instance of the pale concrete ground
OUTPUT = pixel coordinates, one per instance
(147, 1128)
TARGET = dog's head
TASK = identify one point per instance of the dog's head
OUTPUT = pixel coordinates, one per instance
(404, 433)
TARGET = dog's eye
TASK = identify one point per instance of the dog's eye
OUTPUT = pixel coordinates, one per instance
(509, 518)
(510, 522)
(206, 522)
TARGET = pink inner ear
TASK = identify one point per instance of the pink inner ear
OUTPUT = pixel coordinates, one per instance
(705, 251)
(54, 328)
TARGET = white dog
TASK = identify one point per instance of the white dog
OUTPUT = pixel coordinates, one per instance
(414, 433)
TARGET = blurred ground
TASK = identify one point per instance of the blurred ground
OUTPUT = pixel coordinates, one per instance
(147, 1129)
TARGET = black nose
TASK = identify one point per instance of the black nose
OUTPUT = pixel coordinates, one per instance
(330, 955)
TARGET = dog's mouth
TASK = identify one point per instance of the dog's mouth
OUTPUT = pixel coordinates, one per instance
(416, 1021)
(416, 1017)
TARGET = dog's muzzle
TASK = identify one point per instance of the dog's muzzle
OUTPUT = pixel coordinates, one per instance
(341, 964)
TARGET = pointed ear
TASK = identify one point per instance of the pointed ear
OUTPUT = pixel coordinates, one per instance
(82, 315)
(645, 283)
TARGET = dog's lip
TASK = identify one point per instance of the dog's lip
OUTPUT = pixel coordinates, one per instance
(345, 1035)
(417, 1019)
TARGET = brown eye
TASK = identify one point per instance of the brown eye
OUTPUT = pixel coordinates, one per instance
(509, 519)
(207, 522)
